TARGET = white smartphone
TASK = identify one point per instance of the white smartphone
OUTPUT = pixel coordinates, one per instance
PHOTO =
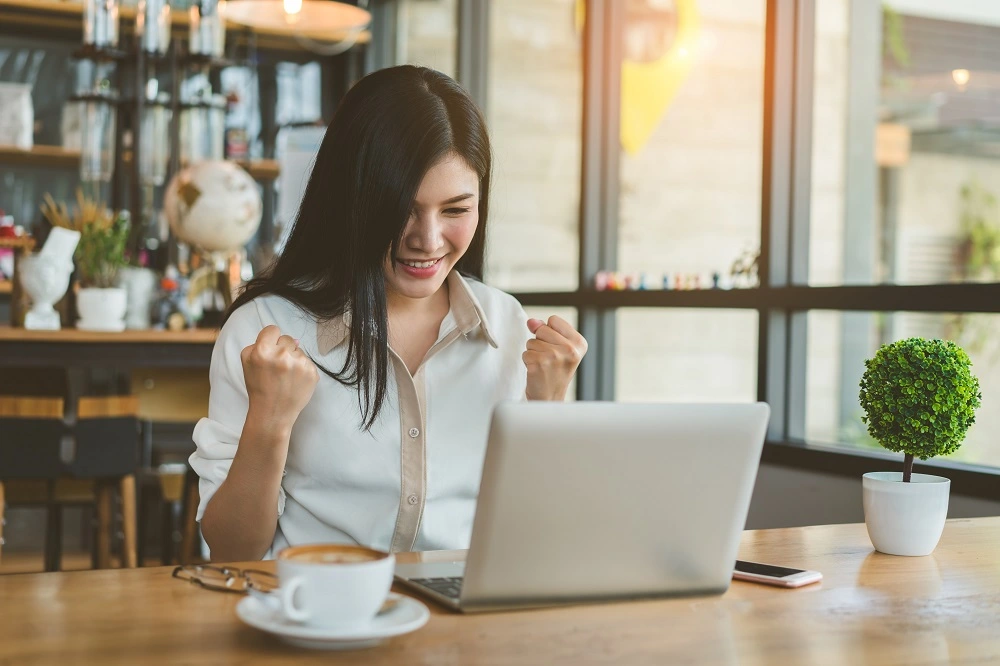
(769, 574)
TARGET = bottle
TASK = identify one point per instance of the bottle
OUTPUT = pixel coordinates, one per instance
(237, 147)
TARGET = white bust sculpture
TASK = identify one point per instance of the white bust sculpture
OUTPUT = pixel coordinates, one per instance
(45, 278)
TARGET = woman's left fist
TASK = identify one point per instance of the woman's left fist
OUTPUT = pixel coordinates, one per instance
(552, 358)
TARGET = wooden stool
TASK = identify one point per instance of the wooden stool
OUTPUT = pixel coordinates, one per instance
(83, 461)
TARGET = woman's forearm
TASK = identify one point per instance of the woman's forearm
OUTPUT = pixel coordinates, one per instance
(241, 517)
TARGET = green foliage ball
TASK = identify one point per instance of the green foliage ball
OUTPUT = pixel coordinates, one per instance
(920, 397)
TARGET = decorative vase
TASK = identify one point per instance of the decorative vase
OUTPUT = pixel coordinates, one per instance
(905, 518)
(101, 309)
(45, 280)
(140, 289)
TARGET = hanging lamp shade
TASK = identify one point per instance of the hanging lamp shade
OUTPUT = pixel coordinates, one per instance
(315, 16)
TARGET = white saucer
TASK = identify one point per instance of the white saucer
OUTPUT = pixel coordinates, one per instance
(408, 615)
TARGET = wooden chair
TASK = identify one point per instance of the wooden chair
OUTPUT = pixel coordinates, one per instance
(169, 397)
(48, 459)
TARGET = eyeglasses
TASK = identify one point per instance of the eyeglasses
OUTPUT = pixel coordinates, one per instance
(227, 579)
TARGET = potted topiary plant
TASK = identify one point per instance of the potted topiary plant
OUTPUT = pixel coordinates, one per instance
(919, 397)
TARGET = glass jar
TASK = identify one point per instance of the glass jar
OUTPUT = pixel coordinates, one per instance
(208, 28)
(152, 24)
(100, 23)
(203, 130)
(154, 140)
(97, 137)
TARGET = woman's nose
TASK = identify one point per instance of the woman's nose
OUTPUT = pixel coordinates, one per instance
(425, 233)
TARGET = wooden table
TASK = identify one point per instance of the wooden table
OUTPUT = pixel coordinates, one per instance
(870, 609)
(190, 348)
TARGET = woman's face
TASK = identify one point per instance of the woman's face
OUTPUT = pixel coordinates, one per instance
(442, 223)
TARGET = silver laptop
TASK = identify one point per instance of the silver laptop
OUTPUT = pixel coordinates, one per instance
(594, 501)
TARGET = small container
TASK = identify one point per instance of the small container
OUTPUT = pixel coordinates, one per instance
(100, 23)
(154, 154)
(202, 131)
(152, 25)
(97, 137)
(208, 28)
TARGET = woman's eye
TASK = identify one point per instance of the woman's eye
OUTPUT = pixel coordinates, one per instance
(457, 211)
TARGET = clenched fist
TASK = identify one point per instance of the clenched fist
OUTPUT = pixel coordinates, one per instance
(280, 377)
(552, 357)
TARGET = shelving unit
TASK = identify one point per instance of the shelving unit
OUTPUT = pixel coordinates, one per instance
(58, 157)
(67, 16)
(60, 23)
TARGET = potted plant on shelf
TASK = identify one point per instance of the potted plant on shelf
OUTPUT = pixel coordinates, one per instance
(100, 254)
(919, 397)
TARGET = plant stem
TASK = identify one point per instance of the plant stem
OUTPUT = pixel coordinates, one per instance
(907, 468)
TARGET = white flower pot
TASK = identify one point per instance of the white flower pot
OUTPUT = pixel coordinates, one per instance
(905, 518)
(101, 309)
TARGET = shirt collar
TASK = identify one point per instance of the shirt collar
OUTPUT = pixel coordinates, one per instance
(465, 308)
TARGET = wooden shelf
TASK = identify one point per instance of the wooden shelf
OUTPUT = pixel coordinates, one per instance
(201, 336)
(261, 169)
(40, 156)
(6, 286)
(55, 156)
(55, 15)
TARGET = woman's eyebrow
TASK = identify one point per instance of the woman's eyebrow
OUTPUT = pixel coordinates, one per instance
(460, 197)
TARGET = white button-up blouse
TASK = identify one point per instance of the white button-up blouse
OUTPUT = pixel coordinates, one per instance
(409, 483)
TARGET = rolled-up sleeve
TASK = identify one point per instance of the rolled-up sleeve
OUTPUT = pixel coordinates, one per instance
(218, 436)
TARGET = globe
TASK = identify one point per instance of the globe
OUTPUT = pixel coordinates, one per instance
(213, 205)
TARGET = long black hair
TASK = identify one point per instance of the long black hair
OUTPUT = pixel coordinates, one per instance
(389, 130)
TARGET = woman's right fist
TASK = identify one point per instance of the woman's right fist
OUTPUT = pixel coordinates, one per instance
(280, 377)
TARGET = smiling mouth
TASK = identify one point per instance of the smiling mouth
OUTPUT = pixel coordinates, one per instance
(419, 264)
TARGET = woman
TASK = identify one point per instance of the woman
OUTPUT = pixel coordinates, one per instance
(353, 382)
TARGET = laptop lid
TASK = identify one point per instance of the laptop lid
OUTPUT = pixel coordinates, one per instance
(599, 500)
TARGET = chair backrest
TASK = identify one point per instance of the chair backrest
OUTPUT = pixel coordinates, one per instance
(107, 437)
(31, 432)
(36, 442)
(18, 407)
(115, 406)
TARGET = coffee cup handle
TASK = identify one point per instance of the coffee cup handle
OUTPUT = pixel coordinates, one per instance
(287, 595)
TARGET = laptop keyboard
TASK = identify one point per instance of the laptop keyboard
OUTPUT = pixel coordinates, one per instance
(449, 587)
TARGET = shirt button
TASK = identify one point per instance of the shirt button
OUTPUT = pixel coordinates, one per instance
(414, 432)
(412, 499)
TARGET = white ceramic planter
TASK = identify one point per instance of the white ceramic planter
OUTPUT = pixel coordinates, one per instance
(101, 309)
(905, 518)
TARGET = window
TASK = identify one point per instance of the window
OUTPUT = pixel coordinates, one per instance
(839, 343)
(692, 117)
(686, 355)
(427, 34)
(535, 114)
(905, 153)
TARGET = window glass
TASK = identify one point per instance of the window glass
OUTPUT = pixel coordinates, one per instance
(686, 355)
(839, 343)
(427, 33)
(905, 167)
(692, 136)
(534, 110)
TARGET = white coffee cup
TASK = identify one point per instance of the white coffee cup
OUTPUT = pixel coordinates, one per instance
(334, 586)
